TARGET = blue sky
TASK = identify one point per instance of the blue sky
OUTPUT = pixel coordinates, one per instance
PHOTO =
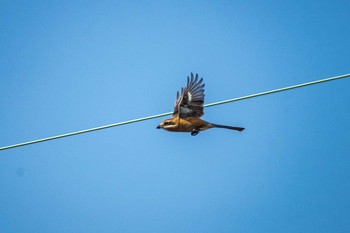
(68, 66)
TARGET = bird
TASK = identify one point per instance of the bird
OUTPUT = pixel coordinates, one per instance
(188, 110)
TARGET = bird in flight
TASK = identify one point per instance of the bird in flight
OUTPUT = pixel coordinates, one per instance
(189, 108)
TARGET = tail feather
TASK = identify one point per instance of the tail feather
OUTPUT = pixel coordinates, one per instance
(228, 127)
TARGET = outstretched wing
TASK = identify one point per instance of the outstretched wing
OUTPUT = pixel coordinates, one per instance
(190, 102)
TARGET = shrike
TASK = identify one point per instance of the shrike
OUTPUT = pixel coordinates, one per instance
(189, 108)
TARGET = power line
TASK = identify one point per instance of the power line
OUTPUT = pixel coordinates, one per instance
(169, 113)
(278, 90)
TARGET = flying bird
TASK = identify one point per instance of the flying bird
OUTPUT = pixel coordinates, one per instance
(189, 108)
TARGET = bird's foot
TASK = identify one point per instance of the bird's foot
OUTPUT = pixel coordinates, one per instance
(194, 132)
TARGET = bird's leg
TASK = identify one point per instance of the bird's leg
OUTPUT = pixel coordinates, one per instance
(194, 132)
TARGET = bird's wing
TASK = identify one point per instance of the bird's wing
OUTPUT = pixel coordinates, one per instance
(190, 102)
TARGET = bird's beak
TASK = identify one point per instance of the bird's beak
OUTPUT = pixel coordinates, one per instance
(158, 127)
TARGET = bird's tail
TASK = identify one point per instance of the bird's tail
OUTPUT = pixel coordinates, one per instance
(228, 127)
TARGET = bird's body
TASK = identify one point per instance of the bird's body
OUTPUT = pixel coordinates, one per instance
(188, 109)
(188, 124)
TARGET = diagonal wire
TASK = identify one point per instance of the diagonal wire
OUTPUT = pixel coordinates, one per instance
(169, 113)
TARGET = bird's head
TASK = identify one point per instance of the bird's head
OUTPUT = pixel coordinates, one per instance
(167, 124)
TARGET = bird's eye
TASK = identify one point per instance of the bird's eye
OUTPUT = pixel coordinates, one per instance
(166, 123)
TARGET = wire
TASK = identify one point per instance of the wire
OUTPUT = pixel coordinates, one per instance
(169, 113)
(279, 90)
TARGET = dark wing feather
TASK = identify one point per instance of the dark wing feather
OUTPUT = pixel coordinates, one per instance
(190, 102)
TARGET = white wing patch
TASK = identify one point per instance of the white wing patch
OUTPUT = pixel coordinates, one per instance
(189, 96)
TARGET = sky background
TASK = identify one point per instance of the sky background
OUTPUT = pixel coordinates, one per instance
(67, 66)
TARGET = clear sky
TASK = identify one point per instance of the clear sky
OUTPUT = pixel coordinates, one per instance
(70, 66)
